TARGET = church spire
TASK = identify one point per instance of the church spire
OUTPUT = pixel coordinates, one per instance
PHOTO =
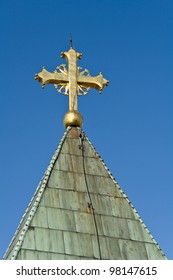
(79, 212)
(73, 82)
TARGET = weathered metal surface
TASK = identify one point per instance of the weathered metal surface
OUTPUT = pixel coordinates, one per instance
(94, 166)
(73, 214)
(78, 244)
(109, 205)
(71, 147)
(68, 162)
(115, 227)
(67, 180)
(61, 219)
(29, 241)
(73, 200)
(137, 232)
(121, 208)
(102, 185)
(132, 250)
(109, 248)
(51, 198)
(40, 218)
(71, 241)
(102, 204)
(25, 254)
(49, 240)
(84, 223)
(152, 251)
(88, 152)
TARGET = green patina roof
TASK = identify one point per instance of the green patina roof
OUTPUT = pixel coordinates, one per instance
(79, 212)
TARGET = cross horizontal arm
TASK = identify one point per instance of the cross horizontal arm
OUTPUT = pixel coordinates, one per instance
(97, 82)
(46, 77)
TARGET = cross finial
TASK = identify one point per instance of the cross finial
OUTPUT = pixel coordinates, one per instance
(72, 82)
(71, 42)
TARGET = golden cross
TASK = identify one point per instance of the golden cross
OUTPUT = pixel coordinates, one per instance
(72, 82)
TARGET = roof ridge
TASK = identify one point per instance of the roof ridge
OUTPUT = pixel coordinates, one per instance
(33, 204)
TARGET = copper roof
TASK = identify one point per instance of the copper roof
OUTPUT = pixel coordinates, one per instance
(79, 212)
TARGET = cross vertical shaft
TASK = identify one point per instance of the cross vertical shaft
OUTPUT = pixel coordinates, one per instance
(72, 57)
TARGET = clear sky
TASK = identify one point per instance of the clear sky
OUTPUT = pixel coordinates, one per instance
(130, 124)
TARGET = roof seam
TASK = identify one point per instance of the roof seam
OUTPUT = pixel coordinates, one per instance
(82, 192)
(77, 172)
(60, 253)
(97, 214)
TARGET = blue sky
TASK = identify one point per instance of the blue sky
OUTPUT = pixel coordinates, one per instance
(130, 124)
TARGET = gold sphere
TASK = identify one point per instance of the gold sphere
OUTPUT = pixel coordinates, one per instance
(73, 118)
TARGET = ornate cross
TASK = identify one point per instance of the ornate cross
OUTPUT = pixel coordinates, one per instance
(72, 82)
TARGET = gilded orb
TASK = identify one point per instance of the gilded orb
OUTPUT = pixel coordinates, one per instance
(73, 118)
